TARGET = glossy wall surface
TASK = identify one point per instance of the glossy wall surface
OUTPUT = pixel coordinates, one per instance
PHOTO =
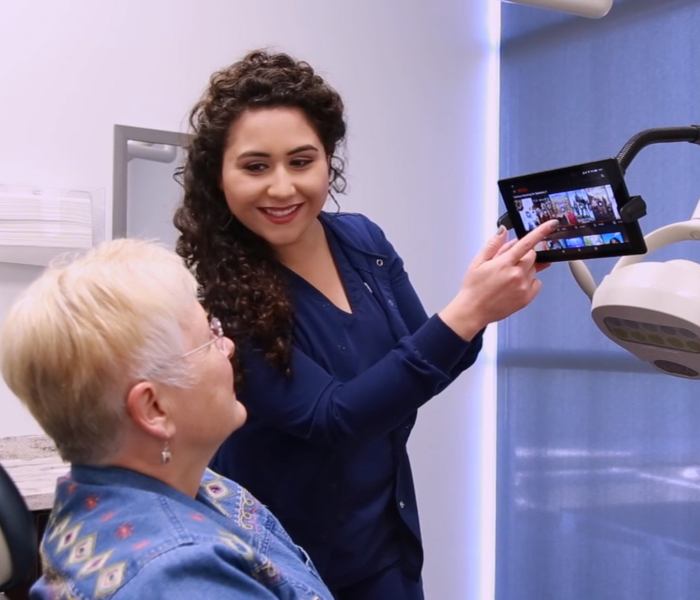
(599, 456)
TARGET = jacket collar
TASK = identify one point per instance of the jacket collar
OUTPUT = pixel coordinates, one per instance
(350, 236)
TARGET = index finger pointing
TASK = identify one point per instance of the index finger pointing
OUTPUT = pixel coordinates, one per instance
(527, 243)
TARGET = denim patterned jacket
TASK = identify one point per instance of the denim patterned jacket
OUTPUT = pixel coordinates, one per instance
(114, 533)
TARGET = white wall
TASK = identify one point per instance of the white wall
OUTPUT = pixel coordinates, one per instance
(414, 78)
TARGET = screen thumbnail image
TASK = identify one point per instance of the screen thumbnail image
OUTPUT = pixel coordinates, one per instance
(574, 242)
(527, 212)
(567, 211)
(601, 203)
(584, 206)
(571, 208)
(581, 241)
(593, 240)
(613, 238)
(534, 210)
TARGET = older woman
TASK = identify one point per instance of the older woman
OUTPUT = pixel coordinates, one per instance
(116, 359)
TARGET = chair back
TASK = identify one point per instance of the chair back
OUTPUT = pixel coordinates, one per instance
(18, 541)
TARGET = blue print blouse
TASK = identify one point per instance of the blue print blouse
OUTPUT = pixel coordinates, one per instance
(114, 533)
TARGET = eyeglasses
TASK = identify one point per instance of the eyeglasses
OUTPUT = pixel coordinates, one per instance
(217, 337)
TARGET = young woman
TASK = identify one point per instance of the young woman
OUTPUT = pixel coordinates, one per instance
(335, 349)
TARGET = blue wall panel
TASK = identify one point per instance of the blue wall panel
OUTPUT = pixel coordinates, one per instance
(599, 456)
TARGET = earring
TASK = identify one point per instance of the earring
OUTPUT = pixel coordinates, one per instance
(165, 454)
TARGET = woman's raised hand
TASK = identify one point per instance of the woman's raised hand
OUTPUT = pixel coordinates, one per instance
(501, 280)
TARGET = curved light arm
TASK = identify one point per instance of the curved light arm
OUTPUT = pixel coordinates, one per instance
(657, 135)
(583, 277)
(593, 9)
(669, 234)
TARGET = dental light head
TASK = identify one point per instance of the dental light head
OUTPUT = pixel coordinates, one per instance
(652, 309)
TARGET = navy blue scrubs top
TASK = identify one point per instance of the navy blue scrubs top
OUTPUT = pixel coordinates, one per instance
(325, 448)
(345, 345)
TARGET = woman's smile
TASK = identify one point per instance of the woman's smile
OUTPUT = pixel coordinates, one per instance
(281, 215)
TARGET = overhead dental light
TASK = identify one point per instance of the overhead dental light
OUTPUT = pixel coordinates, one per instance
(652, 309)
(593, 9)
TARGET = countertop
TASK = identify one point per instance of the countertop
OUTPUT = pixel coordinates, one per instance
(34, 465)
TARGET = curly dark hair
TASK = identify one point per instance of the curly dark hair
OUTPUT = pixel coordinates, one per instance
(241, 281)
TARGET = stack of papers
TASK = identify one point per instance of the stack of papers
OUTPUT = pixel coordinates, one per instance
(35, 224)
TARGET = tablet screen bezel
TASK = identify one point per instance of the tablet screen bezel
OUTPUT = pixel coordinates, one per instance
(586, 231)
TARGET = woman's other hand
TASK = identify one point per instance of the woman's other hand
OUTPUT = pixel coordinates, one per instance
(501, 280)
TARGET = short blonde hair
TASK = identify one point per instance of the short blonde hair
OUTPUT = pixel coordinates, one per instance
(84, 332)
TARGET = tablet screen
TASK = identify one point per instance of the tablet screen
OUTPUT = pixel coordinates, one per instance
(586, 200)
